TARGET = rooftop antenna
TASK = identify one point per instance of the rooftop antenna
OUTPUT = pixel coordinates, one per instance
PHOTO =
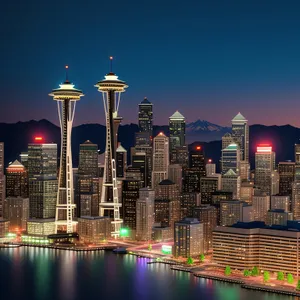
(67, 67)
(111, 61)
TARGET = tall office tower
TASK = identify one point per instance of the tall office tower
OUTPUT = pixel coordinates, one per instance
(188, 238)
(247, 213)
(130, 195)
(286, 171)
(175, 175)
(278, 217)
(2, 180)
(16, 211)
(261, 205)
(188, 202)
(177, 134)
(274, 182)
(88, 183)
(227, 139)
(190, 180)
(16, 180)
(66, 96)
(297, 161)
(145, 214)
(42, 179)
(147, 151)
(210, 168)
(244, 170)
(167, 189)
(264, 165)
(281, 202)
(231, 212)
(24, 159)
(208, 185)
(197, 160)
(231, 182)
(121, 161)
(217, 197)
(240, 135)
(146, 116)
(139, 162)
(231, 159)
(247, 191)
(296, 199)
(182, 156)
(111, 88)
(208, 216)
(160, 159)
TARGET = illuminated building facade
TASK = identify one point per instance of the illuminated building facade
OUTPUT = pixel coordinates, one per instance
(197, 159)
(230, 159)
(41, 227)
(286, 171)
(261, 206)
(175, 175)
(146, 116)
(210, 168)
(160, 159)
(295, 203)
(231, 212)
(247, 191)
(251, 244)
(297, 161)
(182, 156)
(4, 227)
(111, 88)
(145, 214)
(2, 179)
(190, 180)
(66, 97)
(231, 182)
(281, 202)
(208, 185)
(264, 165)
(16, 180)
(278, 217)
(121, 162)
(227, 139)
(188, 202)
(188, 238)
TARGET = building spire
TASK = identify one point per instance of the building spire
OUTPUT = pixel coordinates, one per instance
(111, 65)
(67, 79)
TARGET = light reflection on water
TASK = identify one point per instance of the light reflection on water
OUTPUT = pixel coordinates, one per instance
(37, 273)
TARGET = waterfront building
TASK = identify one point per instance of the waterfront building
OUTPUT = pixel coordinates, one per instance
(246, 245)
(230, 158)
(41, 227)
(278, 217)
(188, 238)
(160, 159)
(4, 227)
(94, 229)
(177, 134)
(208, 216)
(281, 202)
(16, 211)
(264, 165)
(231, 182)
(111, 88)
(163, 234)
(145, 214)
(16, 180)
(286, 171)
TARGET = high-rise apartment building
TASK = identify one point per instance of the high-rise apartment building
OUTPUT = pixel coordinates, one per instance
(160, 159)
(177, 134)
(286, 171)
(264, 165)
(16, 180)
(188, 238)
(230, 159)
(145, 214)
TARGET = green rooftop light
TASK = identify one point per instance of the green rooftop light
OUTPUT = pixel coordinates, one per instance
(124, 232)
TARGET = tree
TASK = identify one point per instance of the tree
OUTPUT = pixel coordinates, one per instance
(280, 276)
(247, 273)
(227, 271)
(255, 271)
(150, 247)
(190, 261)
(202, 257)
(298, 286)
(290, 278)
(266, 276)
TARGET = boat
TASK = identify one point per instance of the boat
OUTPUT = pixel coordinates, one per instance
(120, 250)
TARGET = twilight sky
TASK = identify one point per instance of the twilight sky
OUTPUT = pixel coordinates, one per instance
(208, 59)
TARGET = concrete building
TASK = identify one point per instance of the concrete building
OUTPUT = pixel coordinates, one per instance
(274, 182)
(188, 202)
(175, 175)
(231, 212)
(208, 185)
(231, 159)
(261, 206)
(41, 227)
(295, 205)
(94, 229)
(146, 116)
(4, 228)
(247, 191)
(286, 171)
(210, 168)
(281, 202)
(278, 217)
(188, 238)
(231, 182)
(297, 161)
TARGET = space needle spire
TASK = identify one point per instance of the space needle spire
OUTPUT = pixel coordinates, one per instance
(66, 96)
(111, 88)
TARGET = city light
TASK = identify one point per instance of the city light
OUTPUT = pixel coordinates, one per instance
(166, 249)
(198, 148)
(38, 138)
(124, 232)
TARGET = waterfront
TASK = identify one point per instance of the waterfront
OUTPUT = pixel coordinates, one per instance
(38, 273)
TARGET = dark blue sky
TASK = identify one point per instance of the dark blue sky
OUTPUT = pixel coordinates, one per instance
(208, 59)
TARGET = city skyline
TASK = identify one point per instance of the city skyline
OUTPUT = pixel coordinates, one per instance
(215, 57)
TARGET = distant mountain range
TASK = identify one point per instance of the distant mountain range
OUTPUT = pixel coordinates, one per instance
(16, 137)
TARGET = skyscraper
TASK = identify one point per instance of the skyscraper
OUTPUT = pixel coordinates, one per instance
(66, 96)
(264, 165)
(231, 158)
(197, 159)
(296, 199)
(177, 134)
(121, 161)
(231, 182)
(297, 161)
(160, 159)
(2, 179)
(111, 88)
(240, 134)
(42, 180)
(146, 116)
(16, 180)
(210, 168)
(231, 212)
(145, 214)
(286, 171)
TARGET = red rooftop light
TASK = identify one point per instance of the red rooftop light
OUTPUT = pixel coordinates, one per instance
(198, 148)
(38, 138)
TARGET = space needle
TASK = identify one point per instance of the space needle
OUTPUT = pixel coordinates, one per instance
(111, 88)
(66, 96)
